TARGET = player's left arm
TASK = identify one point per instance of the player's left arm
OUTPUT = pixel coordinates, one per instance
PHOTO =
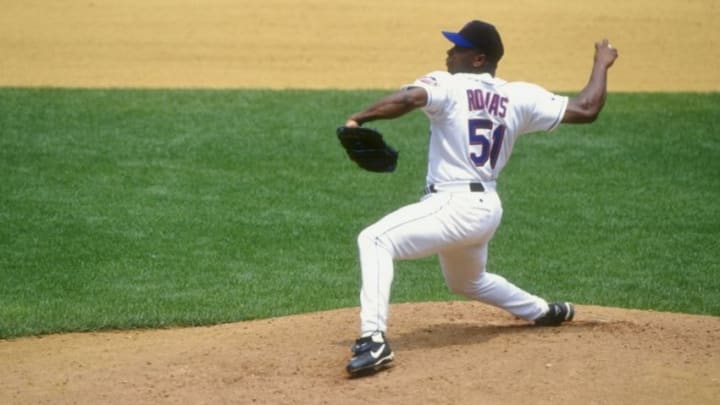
(391, 106)
(586, 106)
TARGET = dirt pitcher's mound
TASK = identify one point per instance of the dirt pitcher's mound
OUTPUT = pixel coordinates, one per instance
(446, 353)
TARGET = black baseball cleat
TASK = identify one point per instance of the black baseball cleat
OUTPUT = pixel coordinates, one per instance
(370, 354)
(557, 314)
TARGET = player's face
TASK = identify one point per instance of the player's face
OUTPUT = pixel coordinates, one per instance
(460, 60)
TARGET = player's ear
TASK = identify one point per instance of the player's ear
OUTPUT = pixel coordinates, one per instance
(479, 60)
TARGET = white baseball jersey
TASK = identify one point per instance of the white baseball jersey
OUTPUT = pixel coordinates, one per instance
(475, 120)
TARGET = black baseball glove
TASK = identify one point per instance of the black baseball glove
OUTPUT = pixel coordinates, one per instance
(367, 148)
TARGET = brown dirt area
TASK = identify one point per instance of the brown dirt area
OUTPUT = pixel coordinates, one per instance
(447, 353)
(349, 44)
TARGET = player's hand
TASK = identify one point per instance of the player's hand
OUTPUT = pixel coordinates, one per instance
(605, 53)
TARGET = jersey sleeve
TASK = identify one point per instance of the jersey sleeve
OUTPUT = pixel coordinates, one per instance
(437, 93)
(541, 110)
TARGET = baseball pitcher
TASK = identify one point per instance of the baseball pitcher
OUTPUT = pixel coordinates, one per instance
(475, 119)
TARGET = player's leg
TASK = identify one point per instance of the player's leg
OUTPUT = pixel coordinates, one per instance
(464, 271)
(410, 232)
(463, 263)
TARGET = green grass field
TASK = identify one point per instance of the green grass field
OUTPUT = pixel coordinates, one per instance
(155, 208)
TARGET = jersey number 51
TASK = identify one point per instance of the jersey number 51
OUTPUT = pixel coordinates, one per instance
(487, 139)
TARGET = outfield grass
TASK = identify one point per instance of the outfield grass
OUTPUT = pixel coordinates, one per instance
(151, 208)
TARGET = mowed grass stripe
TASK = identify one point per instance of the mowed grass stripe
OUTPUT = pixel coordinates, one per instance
(152, 208)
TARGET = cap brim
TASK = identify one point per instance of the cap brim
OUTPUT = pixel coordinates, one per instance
(458, 39)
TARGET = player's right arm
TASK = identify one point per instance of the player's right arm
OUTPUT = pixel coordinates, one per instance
(586, 106)
(391, 106)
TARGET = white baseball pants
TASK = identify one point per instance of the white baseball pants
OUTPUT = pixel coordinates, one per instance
(455, 225)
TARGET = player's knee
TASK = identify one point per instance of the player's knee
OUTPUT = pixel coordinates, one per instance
(473, 289)
(370, 239)
(366, 238)
(459, 289)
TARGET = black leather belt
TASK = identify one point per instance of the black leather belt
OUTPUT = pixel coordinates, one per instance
(474, 187)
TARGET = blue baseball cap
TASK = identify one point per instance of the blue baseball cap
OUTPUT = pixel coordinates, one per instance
(478, 35)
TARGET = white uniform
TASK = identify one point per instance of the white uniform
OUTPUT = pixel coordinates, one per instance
(475, 120)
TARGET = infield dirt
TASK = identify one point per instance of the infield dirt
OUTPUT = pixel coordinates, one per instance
(447, 353)
(665, 45)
